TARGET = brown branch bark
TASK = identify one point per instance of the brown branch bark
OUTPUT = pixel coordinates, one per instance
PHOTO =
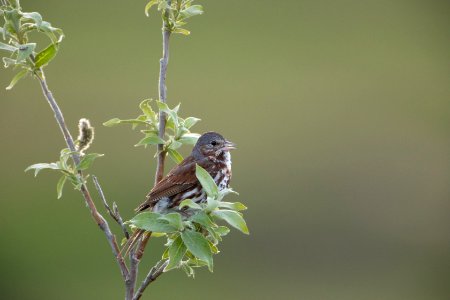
(98, 218)
(152, 275)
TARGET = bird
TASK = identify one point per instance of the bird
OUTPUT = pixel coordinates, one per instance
(211, 152)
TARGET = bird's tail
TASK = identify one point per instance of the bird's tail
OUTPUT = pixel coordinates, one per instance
(133, 240)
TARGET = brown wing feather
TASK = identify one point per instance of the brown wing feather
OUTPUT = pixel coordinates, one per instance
(179, 179)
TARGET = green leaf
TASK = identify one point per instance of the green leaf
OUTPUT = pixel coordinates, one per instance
(222, 230)
(188, 270)
(181, 31)
(191, 121)
(150, 140)
(36, 17)
(25, 51)
(46, 55)
(7, 47)
(233, 205)
(191, 11)
(176, 253)
(175, 155)
(41, 166)
(151, 221)
(7, 61)
(112, 122)
(87, 160)
(198, 245)
(149, 5)
(206, 181)
(203, 219)
(147, 110)
(60, 186)
(233, 218)
(189, 203)
(173, 219)
(16, 78)
(189, 138)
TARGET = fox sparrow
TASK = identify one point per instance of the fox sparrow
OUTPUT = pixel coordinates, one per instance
(212, 152)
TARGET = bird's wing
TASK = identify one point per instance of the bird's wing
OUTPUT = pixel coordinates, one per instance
(179, 179)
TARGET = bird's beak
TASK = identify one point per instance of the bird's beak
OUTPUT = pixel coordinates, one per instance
(229, 146)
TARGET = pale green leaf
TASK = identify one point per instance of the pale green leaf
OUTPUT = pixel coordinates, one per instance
(35, 16)
(175, 155)
(233, 218)
(181, 31)
(7, 47)
(203, 219)
(191, 11)
(189, 203)
(25, 51)
(176, 253)
(151, 221)
(189, 138)
(198, 245)
(149, 5)
(60, 186)
(233, 205)
(150, 140)
(87, 160)
(112, 122)
(41, 166)
(16, 78)
(191, 121)
(173, 219)
(206, 181)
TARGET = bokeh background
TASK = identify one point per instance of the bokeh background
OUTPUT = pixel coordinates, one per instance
(341, 113)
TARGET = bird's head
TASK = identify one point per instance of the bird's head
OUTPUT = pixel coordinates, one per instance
(212, 144)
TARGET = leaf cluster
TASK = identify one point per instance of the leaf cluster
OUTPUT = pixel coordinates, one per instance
(192, 232)
(21, 53)
(178, 129)
(175, 13)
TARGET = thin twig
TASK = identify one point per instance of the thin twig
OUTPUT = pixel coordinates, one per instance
(163, 62)
(114, 213)
(98, 218)
(152, 275)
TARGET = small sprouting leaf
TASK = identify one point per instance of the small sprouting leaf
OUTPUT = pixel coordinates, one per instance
(60, 186)
(147, 109)
(39, 167)
(16, 78)
(203, 219)
(46, 55)
(36, 17)
(191, 121)
(175, 155)
(189, 138)
(149, 5)
(189, 203)
(222, 230)
(7, 47)
(181, 31)
(151, 221)
(188, 270)
(206, 181)
(173, 219)
(25, 51)
(233, 205)
(176, 253)
(112, 122)
(150, 140)
(191, 11)
(87, 160)
(198, 245)
(233, 218)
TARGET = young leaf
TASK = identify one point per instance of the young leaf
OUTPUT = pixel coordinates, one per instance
(206, 181)
(16, 78)
(149, 5)
(25, 51)
(222, 230)
(38, 167)
(189, 138)
(233, 205)
(175, 155)
(46, 55)
(151, 221)
(60, 186)
(181, 31)
(87, 160)
(203, 219)
(191, 11)
(176, 253)
(36, 17)
(198, 245)
(189, 203)
(7, 47)
(191, 121)
(112, 122)
(150, 140)
(233, 218)
(173, 219)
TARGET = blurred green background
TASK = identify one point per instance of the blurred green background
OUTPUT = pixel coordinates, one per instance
(341, 113)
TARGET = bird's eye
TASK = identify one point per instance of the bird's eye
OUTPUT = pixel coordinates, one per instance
(213, 143)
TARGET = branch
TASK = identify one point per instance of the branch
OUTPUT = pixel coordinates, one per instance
(163, 62)
(98, 218)
(114, 213)
(152, 275)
